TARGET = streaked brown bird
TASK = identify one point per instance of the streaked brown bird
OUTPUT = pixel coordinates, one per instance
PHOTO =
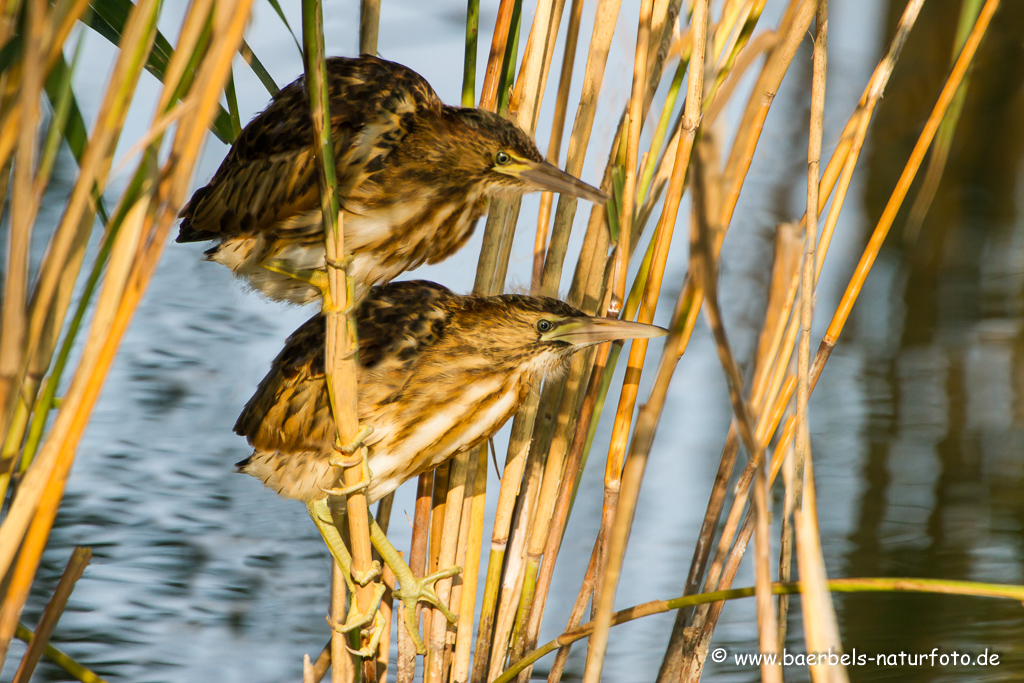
(414, 175)
(438, 374)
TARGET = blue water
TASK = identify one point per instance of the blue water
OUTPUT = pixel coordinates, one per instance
(199, 574)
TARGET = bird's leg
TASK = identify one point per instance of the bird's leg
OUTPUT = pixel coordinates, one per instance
(314, 277)
(311, 276)
(412, 590)
(321, 514)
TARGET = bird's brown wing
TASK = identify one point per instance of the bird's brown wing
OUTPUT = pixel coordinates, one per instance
(291, 410)
(396, 322)
(269, 175)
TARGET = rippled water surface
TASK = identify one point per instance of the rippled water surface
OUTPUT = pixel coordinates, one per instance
(201, 575)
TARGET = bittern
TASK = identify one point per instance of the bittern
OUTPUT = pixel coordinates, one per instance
(438, 374)
(414, 176)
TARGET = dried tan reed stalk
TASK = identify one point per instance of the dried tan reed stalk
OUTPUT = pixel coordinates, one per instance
(502, 30)
(369, 26)
(24, 205)
(445, 529)
(22, 513)
(18, 383)
(77, 563)
(536, 516)
(554, 435)
(150, 218)
(341, 344)
(440, 644)
(135, 253)
(528, 92)
(772, 73)
(631, 477)
(607, 14)
(405, 666)
(635, 121)
(76, 670)
(880, 584)
(490, 279)
(386, 608)
(607, 11)
(512, 578)
(470, 546)
(903, 185)
(821, 629)
(874, 90)
(555, 144)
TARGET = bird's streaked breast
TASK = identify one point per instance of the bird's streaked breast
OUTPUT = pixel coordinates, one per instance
(456, 422)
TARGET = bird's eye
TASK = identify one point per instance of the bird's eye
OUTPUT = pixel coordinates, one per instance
(502, 158)
(544, 326)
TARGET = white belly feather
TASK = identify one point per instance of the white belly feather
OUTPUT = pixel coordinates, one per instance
(432, 442)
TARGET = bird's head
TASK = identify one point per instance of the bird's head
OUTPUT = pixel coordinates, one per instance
(499, 156)
(539, 333)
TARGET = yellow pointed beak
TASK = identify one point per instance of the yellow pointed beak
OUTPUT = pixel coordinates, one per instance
(550, 178)
(594, 330)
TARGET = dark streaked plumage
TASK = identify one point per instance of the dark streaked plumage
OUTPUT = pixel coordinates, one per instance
(438, 373)
(414, 175)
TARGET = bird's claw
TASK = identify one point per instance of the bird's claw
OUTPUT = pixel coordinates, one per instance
(356, 443)
(354, 578)
(329, 306)
(356, 620)
(370, 649)
(365, 476)
(371, 574)
(343, 264)
(422, 590)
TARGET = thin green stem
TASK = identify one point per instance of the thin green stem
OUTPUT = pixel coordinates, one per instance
(80, 672)
(65, 122)
(647, 174)
(232, 98)
(867, 585)
(508, 72)
(469, 67)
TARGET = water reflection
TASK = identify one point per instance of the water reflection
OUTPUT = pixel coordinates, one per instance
(200, 575)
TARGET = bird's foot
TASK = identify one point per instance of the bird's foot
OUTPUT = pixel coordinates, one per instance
(343, 264)
(358, 442)
(413, 591)
(329, 306)
(357, 620)
(363, 578)
(321, 514)
(370, 649)
(337, 461)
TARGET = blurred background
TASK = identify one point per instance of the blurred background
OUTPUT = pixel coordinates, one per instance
(200, 574)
